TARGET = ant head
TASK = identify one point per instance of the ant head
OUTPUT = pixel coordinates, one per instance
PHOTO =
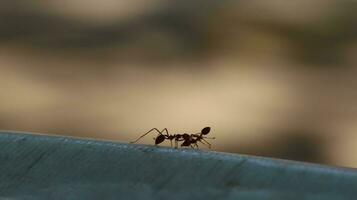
(159, 139)
(186, 136)
(205, 130)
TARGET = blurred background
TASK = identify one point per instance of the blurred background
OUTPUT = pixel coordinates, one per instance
(272, 78)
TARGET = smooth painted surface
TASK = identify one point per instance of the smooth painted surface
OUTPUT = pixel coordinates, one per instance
(48, 167)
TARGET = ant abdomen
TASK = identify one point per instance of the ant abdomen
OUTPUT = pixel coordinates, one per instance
(206, 130)
(159, 139)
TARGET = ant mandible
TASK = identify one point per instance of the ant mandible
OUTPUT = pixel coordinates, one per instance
(189, 140)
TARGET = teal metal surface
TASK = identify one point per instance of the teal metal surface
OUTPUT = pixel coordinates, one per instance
(50, 167)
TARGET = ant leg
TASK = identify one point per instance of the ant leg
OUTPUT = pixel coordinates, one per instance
(196, 145)
(208, 145)
(171, 143)
(176, 144)
(165, 129)
(206, 141)
(154, 129)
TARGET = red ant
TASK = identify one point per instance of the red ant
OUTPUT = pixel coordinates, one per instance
(189, 140)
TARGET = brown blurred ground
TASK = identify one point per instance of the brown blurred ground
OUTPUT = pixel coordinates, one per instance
(271, 78)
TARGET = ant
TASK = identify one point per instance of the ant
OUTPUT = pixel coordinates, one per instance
(161, 137)
(189, 140)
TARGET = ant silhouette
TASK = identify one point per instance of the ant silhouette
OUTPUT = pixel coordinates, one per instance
(161, 137)
(189, 139)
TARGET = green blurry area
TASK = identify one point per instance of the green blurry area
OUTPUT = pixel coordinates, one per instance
(271, 78)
